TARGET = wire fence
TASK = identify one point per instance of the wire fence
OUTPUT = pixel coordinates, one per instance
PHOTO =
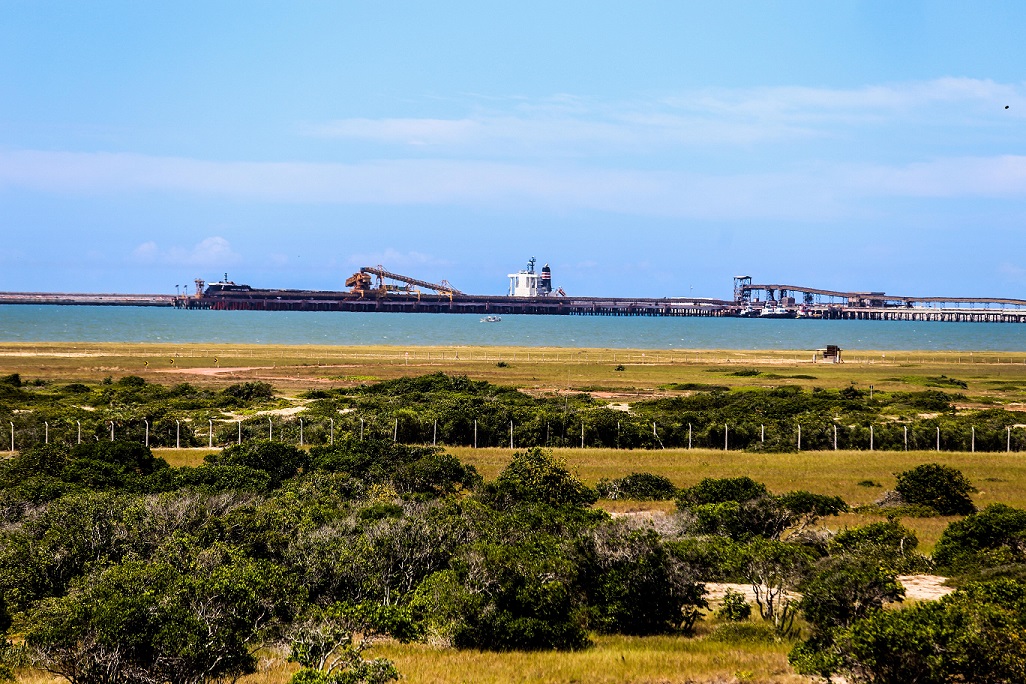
(533, 431)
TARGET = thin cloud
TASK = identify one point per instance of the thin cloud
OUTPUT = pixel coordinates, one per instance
(697, 118)
(209, 252)
(393, 258)
(819, 191)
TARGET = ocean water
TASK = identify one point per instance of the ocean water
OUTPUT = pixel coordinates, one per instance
(150, 324)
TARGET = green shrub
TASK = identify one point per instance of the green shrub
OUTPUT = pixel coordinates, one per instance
(721, 490)
(535, 476)
(735, 608)
(994, 536)
(637, 487)
(280, 461)
(942, 488)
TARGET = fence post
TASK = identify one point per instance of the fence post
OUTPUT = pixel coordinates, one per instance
(972, 448)
(395, 432)
(300, 432)
(835, 436)
(240, 432)
(475, 433)
(938, 438)
(582, 434)
(178, 434)
(1008, 443)
(270, 430)
(725, 436)
(689, 435)
(434, 434)
(112, 430)
(361, 429)
(12, 436)
(511, 433)
(799, 436)
(870, 437)
(147, 438)
(617, 435)
(762, 434)
(331, 434)
(210, 434)
(46, 432)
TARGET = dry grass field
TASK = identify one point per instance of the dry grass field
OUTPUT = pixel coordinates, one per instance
(612, 660)
(991, 376)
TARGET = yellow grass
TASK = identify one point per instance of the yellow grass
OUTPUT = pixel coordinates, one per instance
(612, 660)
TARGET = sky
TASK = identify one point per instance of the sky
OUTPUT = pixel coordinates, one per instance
(640, 148)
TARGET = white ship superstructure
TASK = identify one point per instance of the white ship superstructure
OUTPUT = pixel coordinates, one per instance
(528, 283)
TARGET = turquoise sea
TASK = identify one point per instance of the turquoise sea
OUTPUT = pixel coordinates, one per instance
(147, 324)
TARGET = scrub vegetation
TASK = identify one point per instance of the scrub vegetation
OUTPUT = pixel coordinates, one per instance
(348, 548)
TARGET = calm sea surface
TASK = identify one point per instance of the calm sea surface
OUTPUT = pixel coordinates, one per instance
(145, 324)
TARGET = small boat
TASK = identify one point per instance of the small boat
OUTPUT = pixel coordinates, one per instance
(806, 312)
(775, 312)
(491, 319)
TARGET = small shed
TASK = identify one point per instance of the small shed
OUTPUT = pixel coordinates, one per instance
(831, 354)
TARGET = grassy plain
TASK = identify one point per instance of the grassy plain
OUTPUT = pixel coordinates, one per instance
(991, 379)
(991, 376)
(612, 660)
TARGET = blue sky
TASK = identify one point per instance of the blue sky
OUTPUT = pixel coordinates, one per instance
(642, 148)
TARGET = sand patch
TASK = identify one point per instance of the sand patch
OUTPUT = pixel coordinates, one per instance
(917, 588)
(213, 371)
(924, 587)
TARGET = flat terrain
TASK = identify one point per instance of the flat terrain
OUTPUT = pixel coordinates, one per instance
(991, 376)
(991, 380)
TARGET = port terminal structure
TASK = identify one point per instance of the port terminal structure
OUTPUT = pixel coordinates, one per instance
(373, 288)
(799, 301)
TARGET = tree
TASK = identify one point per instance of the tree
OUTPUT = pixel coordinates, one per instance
(942, 488)
(638, 587)
(763, 515)
(508, 596)
(844, 589)
(775, 569)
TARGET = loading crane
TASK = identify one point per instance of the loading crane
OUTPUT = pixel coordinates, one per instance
(362, 282)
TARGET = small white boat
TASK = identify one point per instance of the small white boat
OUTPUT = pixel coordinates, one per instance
(775, 312)
(491, 319)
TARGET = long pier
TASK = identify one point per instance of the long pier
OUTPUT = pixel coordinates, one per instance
(87, 299)
(750, 301)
